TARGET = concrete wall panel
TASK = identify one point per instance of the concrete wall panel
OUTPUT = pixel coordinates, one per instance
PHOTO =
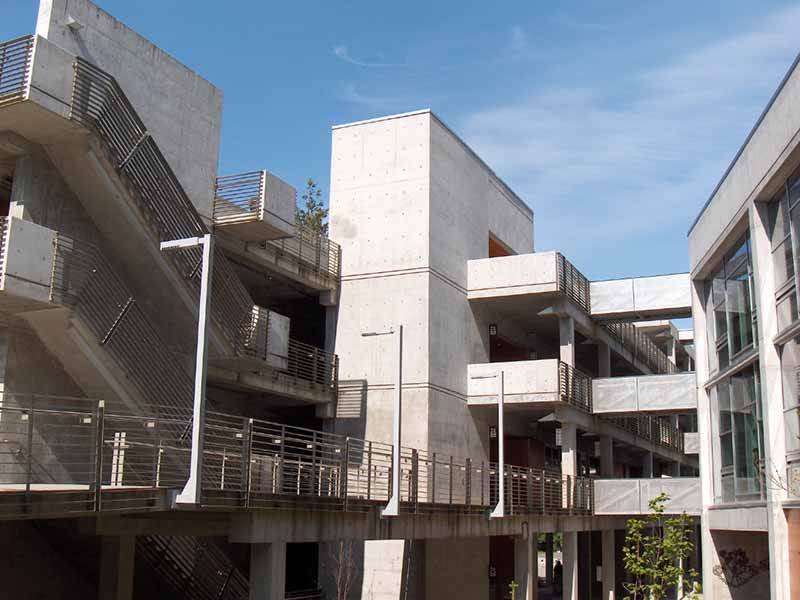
(28, 266)
(513, 275)
(525, 381)
(181, 109)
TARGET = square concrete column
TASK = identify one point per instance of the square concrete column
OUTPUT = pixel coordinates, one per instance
(606, 456)
(548, 559)
(566, 335)
(526, 567)
(117, 554)
(609, 564)
(603, 359)
(569, 551)
(647, 465)
(268, 571)
(569, 459)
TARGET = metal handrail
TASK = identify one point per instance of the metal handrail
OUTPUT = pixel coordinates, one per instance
(573, 283)
(311, 250)
(192, 568)
(99, 103)
(15, 61)
(84, 279)
(641, 346)
(574, 387)
(251, 463)
(239, 198)
(651, 429)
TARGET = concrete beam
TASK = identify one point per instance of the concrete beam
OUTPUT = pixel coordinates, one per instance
(663, 394)
(631, 496)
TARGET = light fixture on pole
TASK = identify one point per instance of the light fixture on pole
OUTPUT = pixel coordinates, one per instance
(392, 509)
(192, 490)
(499, 509)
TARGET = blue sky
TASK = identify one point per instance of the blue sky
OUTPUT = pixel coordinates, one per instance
(613, 120)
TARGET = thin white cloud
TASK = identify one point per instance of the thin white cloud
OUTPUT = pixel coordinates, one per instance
(519, 39)
(342, 52)
(642, 152)
(351, 94)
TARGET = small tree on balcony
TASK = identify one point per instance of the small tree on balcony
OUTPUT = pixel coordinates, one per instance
(654, 550)
(313, 214)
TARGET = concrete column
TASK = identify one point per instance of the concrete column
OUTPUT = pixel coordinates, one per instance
(268, 571)
(606, 456)
(526, 567)
(569, 551)
(569, 466)
(672, 350)
(548, 559)
(609, 564)
(647, 465)
(603, 359)
(116, 567)
(566, 334)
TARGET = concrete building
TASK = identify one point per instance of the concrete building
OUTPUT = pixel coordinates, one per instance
(743, 258)
(534, 402)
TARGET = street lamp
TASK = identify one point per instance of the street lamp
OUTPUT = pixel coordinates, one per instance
(499, 510)
(191, 491)
(392, 509)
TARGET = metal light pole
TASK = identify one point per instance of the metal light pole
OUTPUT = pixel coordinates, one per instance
(192, 490)
(499, 509)
(392, 509)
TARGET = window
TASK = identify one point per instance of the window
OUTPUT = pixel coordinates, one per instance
(729, 304)
(784, 228)
(790, 370)
(738, 448)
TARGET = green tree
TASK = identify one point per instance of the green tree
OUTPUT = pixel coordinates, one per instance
(655, 547)
(313, 215)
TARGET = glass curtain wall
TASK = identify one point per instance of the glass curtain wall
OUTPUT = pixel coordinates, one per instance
(784, 229)
(736, 398)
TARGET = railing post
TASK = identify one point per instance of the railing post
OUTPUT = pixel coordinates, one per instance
(544, 492)
(344, 473)
(468, 483)
(315, 490)
(483, 478)
(29, 466)
(570, 498)
(510, 488)
(414, 479)
(529, 491)
(156, 448)
(280, 459)
(98, 455)
(433, 480)
(369, 471)
(315, 359)
(247, 461)
(451, 481)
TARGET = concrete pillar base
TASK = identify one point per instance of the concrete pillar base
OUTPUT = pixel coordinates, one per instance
(526, 567)
(609, 564)
(570, 570)
(268, 571)
(116, 567)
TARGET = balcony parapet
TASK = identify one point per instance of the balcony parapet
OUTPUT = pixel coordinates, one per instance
(631, 496)
(659, 296)
(538, 274)
(691, 443)
(15, 61)
(645, 393)
(531, 382)
(254, 206)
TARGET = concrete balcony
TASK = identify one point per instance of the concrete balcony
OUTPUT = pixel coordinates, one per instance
(645, 393)
(26, 265)
(254, 207)
(538, 275)
(530, 382)
(661, 296)
(263, 343)
(631, 496)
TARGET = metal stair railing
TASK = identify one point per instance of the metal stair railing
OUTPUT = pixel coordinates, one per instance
(99, 104)
(640, 346)
(83, 279)
(192, 568)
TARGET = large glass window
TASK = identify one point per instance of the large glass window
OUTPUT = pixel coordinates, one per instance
(738, 449)
(729, 305)
(790, 369)
(784, 229)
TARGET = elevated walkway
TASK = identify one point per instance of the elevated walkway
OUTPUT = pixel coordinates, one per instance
(630, 497)
(640, 298)
(662, 394)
